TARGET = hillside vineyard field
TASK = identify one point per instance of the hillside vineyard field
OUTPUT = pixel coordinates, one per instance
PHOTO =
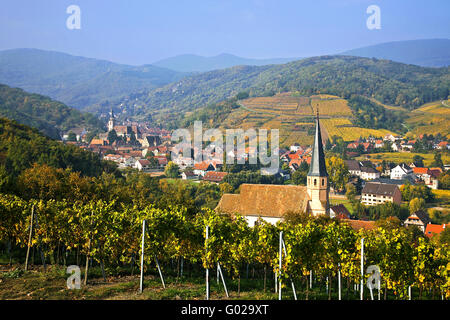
(294, 116)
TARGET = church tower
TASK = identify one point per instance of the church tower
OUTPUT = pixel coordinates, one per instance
(112, 121)
(317, 180)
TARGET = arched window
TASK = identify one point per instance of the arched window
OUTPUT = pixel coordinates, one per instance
(315, 182)
(323, 182)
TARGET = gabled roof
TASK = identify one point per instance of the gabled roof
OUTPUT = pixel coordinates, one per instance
(369, 170)
(265, 200)
(360, 224)
(352, 165)
(144, 162)
(203, 166)
(421, 215)
(380, 189)
(340, 211)
(214, 176)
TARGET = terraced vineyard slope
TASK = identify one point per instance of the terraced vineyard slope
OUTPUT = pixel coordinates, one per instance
(293, 115)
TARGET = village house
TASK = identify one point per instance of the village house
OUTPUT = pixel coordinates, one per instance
(378, 144)
(395, 147)
(369, 173)
(375, 193)
(429, 177)
(362, 169)
(142, 165)
(401, 171)
(295, 148)
(339, 212)
(201, 168)
(442, 145)
(419, 219)
(188, 175)
(214, 176)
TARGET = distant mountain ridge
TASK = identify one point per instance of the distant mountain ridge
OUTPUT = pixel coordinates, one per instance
(196, 63)
(426, 53)
(389, 82)
(96, 85)
(77, 81)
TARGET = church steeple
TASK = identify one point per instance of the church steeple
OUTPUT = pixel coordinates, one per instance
(317, 167)
(112, 121)
(317, 180)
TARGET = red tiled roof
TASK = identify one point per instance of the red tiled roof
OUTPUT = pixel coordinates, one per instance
(202, 166)
(360, 224)
(215, 176)
(144, 162)
(418, 170)
(433, 229)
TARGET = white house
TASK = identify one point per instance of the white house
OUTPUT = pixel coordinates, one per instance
(400, 172)
(395, 147)
(296, 147)
(142, 165)
(369, 173)
(201, 168)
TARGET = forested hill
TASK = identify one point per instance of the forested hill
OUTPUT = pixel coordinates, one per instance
(388, 82)
(22, 146)
(49, 116)
(77, 81)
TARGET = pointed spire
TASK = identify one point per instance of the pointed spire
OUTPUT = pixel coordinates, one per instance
(317, 167)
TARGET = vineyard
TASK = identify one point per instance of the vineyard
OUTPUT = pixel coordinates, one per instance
(431, 118)
(294, 115)
(110, 234)
(342, 127)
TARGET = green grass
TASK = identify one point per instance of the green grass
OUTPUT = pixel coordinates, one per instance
(345, 202)
(51, 285)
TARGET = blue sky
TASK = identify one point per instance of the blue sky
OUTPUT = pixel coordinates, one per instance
(143, 31)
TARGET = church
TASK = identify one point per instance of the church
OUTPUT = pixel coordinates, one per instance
(271, 202)
(122, 131)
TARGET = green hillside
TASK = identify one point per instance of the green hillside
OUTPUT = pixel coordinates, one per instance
(388, 82)
(22, 146)
(40, 112)
(77, 81)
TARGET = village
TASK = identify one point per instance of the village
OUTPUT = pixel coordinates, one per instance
(138, 146)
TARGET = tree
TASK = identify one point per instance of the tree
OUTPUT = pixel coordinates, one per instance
(172, 170)
(416, 204)
(418, 161)
(351, 192)
(444, 180)
(225, 187)
(299, 177)
(71, 136)
(438, 160)
(337, 172)
(112, 136)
